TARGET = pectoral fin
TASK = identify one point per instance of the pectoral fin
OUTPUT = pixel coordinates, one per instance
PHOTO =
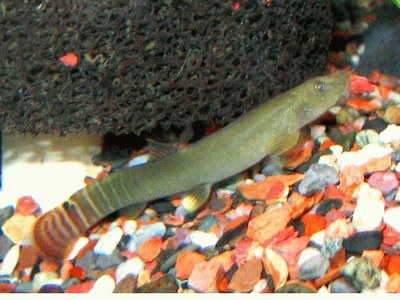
(286, 142)
(193, 200)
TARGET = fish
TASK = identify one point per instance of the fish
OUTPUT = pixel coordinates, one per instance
(270, 129)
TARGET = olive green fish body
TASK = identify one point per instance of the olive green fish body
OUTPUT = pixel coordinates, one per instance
(269, 129)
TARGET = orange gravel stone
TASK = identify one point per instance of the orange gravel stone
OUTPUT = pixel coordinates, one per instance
(268, 223)
(339, 259)
(393, 264)
(150, 249)
(206, 277)
(301, 204)
(351, 175)
(328, 277)
(364, 104)
(378, 164)
(246, 276)
(299, 154)
(375, 256)
(49, 266)
(225, 259)
(185, 263)
(313, 223)
(290, 249)
(393, 285)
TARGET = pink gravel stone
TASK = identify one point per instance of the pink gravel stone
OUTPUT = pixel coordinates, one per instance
(386, 182)
(206, 277)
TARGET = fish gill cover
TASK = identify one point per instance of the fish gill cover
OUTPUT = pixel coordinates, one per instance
(139, 66)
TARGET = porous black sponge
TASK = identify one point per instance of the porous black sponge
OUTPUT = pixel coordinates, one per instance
(152, 64)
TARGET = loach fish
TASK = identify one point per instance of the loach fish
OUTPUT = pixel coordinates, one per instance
(270, 129)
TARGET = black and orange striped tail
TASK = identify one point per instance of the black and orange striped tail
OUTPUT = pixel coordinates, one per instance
(55, 233)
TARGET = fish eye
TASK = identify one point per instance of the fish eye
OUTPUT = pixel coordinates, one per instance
(319, 86)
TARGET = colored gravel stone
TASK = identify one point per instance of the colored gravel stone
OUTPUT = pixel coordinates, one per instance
(246, 276)
(268, 223)
(108, 242)
(296, 287)
(386, 182)
(370, 208)
(317, 177)
(5, 245)
(206, 277)
(10, 261)
(132, 266)
(164, 284)
(144, 233)
(314, 268)
(18, 228)
(313, 223)
(362, 241)
(361, 274)
(5, 214)
(326, 205)
(104, 262)
(126, 285)
(150, 249)
(341, 286)
(27, 206)
(185, 263)
(392, 217)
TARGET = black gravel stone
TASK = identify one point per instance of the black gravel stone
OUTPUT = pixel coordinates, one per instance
(51, 289)
(24, 287)
(5, 214)
(165, 284)
(87, 262)
(325, 206)
(377, 124)
(5, 245)
(207, 222)
(104, 262)
(363, 240)
(295, 287)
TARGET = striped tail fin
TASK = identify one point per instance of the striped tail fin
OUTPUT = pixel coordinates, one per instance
(56, 231)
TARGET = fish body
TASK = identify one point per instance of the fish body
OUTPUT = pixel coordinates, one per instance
(270, 129)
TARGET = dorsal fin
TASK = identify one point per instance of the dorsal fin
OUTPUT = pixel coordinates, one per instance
(158, 150)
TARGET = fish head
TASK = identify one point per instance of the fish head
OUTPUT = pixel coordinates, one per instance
(321, 93)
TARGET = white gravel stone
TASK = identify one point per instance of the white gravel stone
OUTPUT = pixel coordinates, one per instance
(131, 266)
(138, 160)
(129, 227)
(370, 208)
(317, 131)
(307, 254)
(318, 238)
(204, 239)
(43, 278)
(361, 157)
(390, 134)
(104, 285)
(260, 286)
(392, 217)
(10, 261)
(108, 242)
(80, 243)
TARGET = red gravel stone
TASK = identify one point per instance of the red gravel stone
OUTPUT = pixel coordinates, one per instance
(27, 206)
(206, 277)
(246, 276)
(386, 182)
(185, 263)
(7, 287)
(84, 287)
(77, 272)
(27, 258)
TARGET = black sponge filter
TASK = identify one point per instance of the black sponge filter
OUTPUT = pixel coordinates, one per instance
(149, 65)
